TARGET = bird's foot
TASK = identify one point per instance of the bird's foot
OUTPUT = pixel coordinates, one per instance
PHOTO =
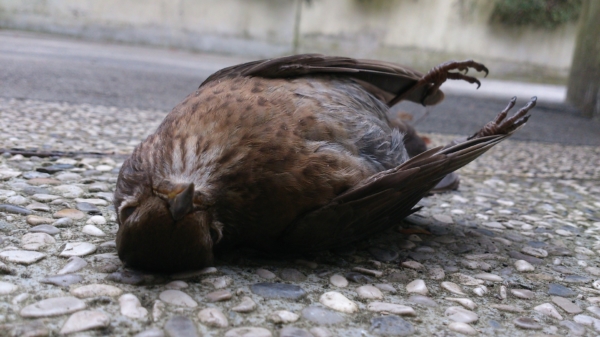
(440, 73)
(502, 125)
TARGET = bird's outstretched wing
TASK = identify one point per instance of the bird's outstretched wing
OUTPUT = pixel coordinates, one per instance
(389, 82)
(382, 200)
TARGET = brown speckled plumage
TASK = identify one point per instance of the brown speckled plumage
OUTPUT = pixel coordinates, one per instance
(291, 154)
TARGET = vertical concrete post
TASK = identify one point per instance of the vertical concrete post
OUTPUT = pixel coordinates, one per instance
(584, 79)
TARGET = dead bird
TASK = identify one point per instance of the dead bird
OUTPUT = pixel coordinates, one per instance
(292, 154)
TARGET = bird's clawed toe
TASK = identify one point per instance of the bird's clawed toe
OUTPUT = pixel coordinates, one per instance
(439, 74)
(502, 125)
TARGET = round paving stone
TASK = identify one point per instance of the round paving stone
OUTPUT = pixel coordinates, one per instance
(69, 213)
(213, 317)
(391, 308)
(25, 257)
(278, 290)
(391, 326)
(247, 305)
(74, 263)
(527, 323)
(181, 326)
(95, 290)
(53, 307)
(248, 332)
(321, 316)
(62, 280)
(7, 288)
(85, 320)
(131, 307)
(78, 249)
(179, 298)
(339, 302)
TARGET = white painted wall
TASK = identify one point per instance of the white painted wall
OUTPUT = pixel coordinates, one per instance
(416, 32)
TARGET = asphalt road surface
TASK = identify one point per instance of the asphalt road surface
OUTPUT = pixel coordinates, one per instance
(50, 68)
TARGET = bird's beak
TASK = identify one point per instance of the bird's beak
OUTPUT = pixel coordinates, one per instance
(182, 203)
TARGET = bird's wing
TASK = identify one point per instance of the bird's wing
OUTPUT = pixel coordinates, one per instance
(382, 200)
(386, 81)
(385, 198)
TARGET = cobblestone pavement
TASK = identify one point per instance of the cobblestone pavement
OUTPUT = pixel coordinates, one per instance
(514, 252)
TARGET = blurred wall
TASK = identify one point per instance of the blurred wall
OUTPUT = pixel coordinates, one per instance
(416, 32)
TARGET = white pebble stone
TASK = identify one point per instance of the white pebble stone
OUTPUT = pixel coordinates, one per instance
(460, 199)
(453, 288)
(443, 218)
(176, 285)
(7, 288)
(282, 317)
(584, 251)
(369, 292)
(465, 302)
(436, 273)
(266, 274)
(523, 266)
(338, 280)
(104, 168)
(537, 252)
(85, 320)
(19, 298)
(391, 308)
(548, 310)
(78, 249)
(219, 282)
(16, 200)
(412, 265)
(385, 287)
(563, 232)
(176, 297)
(213, 317)
(97, 202)
(320, 331)
(131, 307)
(25, 257)
(92, 230)
(339, 302)
(194, 273)
(157, 310)
(467, 280)
(462, 328)
(494, 224)
(247, 305)
(480, 290)
(414, 238)
(418, 287)
(53, 307)
(69, 191)
(248, 332)
(95, 290)
(459, 314)
(98, 220)
(35, 241)
(74, 264)
(502, 292)
(488, 277)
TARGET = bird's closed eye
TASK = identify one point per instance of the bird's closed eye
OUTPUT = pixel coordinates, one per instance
(126, 212)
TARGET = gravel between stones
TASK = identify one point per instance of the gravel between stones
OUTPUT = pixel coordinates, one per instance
(450, 268)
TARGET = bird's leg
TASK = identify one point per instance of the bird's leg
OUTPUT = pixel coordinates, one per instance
(440, 73)
(502, 125)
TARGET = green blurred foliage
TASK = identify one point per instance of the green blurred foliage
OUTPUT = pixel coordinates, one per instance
(540, 13)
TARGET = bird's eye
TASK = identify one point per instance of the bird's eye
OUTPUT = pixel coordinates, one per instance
(126, 212)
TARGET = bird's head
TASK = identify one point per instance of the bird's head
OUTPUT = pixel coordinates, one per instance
(163, 227)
